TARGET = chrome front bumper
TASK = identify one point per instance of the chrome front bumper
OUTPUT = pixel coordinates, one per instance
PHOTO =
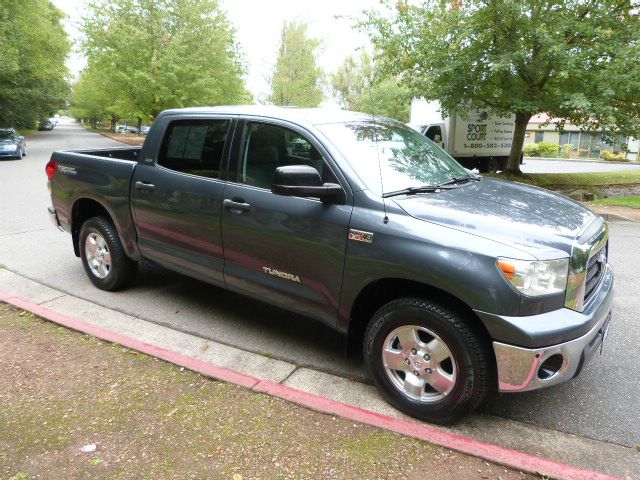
(53, 215)
(519, 368)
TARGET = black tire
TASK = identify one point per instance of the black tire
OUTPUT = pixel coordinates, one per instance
(122, 269)
(24, 153)
(470, 359)
(491, 165)
(19, 156)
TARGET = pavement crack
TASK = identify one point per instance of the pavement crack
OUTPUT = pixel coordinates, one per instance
(53, 299)
(295, 369)
(21, 233)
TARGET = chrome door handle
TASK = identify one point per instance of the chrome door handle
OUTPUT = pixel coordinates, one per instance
(237, 206)
(145, 187)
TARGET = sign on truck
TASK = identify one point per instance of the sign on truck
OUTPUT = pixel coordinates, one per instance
(476, 138)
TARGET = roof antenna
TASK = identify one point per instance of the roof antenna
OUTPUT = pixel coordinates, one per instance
(384, 200)
(375, 139)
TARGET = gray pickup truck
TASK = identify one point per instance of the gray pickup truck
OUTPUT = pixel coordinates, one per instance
(455, 286)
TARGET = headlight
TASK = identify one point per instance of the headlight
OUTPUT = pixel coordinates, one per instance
(535, 278)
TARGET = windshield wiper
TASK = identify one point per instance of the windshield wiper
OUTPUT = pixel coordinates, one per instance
(460, 179)
(413, 190)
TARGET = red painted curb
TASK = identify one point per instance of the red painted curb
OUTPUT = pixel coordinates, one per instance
(493, 453)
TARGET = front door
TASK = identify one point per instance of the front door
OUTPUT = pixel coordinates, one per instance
(288, 251)
(176, 199)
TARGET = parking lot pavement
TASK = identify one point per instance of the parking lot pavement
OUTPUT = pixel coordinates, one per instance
(600, 404)
(543, 165)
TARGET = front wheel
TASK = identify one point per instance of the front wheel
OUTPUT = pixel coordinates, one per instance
(103, 255)
(427, 360)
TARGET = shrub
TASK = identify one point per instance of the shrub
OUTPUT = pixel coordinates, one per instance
(567, 150)
(541, 149)
(612, 157)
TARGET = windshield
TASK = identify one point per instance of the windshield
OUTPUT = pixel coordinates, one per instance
(406, 158)
(5, 134)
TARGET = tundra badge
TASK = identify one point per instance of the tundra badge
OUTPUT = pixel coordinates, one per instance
(278, 273)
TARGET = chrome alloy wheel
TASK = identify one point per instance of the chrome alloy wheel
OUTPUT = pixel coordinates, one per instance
(419, 363)
(98, 255)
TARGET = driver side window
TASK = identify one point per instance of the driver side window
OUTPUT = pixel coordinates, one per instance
(434, 134)
(268, 147)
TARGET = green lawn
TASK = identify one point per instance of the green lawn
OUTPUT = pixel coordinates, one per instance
(633, 202)
(575, 180)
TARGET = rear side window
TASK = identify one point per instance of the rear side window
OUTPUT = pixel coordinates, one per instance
(195, 147)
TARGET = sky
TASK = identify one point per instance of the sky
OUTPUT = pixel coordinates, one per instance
(258, 24)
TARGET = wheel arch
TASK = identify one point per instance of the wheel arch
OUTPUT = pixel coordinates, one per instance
(380, 292)
(85, 208)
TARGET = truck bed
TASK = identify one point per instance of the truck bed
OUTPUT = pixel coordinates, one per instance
(85, 178)
(123, 153)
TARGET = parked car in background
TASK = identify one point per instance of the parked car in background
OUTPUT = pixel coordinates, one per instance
(144, 130)
(12, 144)
(45, 125)
(121, 129)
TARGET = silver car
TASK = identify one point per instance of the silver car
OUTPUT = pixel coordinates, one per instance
(12, 144)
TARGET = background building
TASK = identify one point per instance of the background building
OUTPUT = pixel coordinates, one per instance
(542, 128)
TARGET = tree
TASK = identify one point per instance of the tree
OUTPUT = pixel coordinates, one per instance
(33, 77)
(574, 59)
(297, 80)
(146, 56)
(352, 79)
(93, 97)
(357, 88)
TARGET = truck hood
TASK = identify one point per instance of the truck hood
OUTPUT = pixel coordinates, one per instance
(526, 217)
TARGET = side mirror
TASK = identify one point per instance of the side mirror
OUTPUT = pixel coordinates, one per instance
(303, 181)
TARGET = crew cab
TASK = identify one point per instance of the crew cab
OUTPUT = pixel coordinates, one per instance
(454, 285)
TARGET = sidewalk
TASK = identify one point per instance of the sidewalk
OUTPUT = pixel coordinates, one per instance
(327, 393)
(609, 212)
(72, 406)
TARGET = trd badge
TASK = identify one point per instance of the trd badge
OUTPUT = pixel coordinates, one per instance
(360, 236)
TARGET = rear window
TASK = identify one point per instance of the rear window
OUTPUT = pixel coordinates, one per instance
(195, 147)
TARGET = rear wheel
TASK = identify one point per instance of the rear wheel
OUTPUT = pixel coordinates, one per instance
(427, 360)
(103, 255)
(490, 165)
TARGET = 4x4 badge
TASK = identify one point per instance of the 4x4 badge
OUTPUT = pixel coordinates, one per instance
(360, 236)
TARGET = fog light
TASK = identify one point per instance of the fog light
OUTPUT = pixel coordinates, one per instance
(550, 367)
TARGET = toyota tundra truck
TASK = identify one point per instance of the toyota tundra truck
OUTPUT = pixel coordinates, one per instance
(455, 286)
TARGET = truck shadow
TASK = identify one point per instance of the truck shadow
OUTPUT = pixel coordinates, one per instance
(216, 314)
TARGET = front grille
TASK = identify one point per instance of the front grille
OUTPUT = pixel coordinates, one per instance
(595, 271)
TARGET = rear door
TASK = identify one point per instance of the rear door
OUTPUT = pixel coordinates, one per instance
(176, 197)
(288, 251)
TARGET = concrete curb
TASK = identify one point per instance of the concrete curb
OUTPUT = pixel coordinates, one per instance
(493, 453)
(614, 217)
(582, 160)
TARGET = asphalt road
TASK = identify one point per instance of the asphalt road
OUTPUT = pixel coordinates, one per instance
(537, 165)
(602, 403)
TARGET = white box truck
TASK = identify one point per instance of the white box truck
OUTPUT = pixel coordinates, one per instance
(476, 139)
